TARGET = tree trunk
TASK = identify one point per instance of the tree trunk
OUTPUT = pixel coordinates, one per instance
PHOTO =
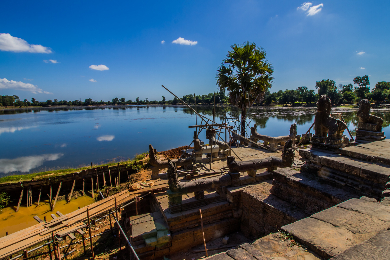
(243, 121)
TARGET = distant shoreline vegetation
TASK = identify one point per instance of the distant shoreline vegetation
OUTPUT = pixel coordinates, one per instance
(302, 96)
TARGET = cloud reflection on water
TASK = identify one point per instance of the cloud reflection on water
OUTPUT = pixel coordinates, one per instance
(26, 163)
(108, 138)
(13, 129)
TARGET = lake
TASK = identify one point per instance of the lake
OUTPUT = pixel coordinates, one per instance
(38, 140)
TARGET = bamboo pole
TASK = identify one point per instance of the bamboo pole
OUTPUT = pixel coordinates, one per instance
(83, 187)
(20, 200)
(90, 234)
(28, 194)
(104, 179)
(55, 200)
(71, 191)
(204, 240)
(39, 196)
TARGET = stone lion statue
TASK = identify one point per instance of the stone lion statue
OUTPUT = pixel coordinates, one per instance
(367, 121)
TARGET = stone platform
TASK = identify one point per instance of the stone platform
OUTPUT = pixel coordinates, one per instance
(333, 231)
(273, 246)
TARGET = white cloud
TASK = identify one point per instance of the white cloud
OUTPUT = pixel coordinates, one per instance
(362, 68)
(183, 41)
(162, 42)
(25, 164)
(50, 61)
(63, 145)
(96, 126)
(360, 53)
(98, 67)
(107, 138)
(10, 43)
(304, 6)
(315, 9)
(311, 10)
(18, 85)
(92, 80)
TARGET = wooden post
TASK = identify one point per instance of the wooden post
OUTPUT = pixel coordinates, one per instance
(39, 197)
(51, 194)
(109, 176)
(104, 179)
(71, 191)
(55, 200)
(25, 254)
(119, 231)
(83, 242)
(109, 215)
(50, 252)
(91, 165)
(119, 175)
(28, 194)
(136, 205)
(93, 195)
(20, 200)
(97, 183)
(204, 240)
(128, 178)
(90, 234)
(83, 187)
(54, 246)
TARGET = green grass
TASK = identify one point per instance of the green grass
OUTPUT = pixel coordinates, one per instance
(56, 173)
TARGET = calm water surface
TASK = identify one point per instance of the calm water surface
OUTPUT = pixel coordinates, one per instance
(45, 140)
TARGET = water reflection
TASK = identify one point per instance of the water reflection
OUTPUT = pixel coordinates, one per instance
(128, 131)
(26, 163)
(13, 129)
(107, 138)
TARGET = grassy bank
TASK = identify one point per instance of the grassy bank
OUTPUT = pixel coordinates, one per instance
(134, 163)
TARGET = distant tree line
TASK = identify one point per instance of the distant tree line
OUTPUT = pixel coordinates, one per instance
(341, 94)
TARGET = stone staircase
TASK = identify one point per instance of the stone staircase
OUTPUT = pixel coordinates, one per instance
(363, 169)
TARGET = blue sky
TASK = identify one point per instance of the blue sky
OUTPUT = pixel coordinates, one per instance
(105, 49)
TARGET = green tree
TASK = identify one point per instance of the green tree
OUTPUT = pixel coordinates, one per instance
(115, 101)
(123, 101)
(362, 89)
(163, 99)
(383, 85)
(246, 74)
(137, 100)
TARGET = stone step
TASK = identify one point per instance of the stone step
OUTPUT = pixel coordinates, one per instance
(337, 229)
(273, 246)
(377, 152)
(307, 192)
(359, 174)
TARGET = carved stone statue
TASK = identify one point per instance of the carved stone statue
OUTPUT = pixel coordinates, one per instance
(328, 130)
(366, 121)
(369, 126)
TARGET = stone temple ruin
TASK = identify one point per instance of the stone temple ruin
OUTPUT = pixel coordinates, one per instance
(331, 197)
(326, 199)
